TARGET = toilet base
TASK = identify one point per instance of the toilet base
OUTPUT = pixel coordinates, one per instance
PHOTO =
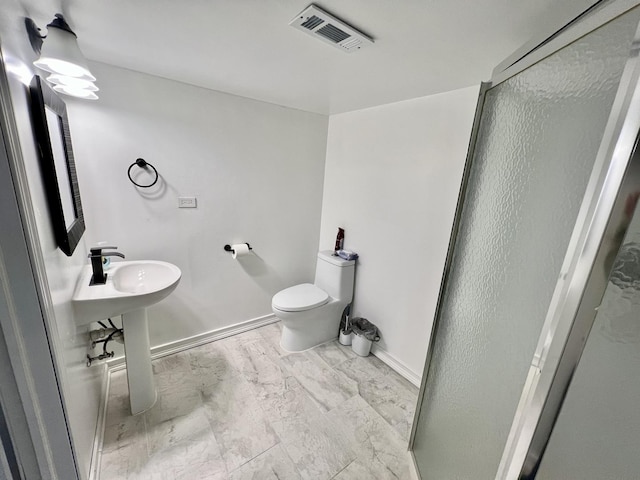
(291, 341)
(305, 330)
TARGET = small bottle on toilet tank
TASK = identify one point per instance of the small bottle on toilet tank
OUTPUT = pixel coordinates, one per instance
(339, 241)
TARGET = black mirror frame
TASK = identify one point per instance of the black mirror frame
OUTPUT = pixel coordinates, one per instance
(42, 95)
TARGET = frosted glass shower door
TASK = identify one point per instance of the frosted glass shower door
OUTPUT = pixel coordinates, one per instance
(537, 138)
(596, 434)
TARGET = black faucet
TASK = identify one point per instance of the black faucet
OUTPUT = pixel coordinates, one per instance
(99, 277)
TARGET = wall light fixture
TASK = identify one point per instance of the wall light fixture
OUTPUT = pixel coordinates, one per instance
(62, 58)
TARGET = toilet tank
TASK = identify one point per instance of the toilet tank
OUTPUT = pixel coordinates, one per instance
(335, 275)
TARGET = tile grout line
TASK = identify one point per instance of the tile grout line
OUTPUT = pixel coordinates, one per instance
(283, 366)
(387, 374)
(343, 469)
(267, 419)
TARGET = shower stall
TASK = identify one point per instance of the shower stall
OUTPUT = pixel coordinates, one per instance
(531, 370)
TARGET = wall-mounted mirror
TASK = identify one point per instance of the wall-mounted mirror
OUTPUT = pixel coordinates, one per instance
(53, 138)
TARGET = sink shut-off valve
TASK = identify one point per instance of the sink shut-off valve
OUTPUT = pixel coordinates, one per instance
(104, 335)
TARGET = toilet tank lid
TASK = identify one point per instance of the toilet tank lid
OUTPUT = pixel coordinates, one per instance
(328, 256)
(300, 297)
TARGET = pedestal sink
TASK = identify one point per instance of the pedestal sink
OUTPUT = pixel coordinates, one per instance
(130, 288)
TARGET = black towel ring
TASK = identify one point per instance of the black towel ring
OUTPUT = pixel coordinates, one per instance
(140, 162)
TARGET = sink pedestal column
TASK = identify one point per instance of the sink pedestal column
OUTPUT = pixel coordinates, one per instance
(142, 390)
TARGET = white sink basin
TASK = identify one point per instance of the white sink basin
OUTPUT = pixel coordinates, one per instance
(129, 289)
(129, 286)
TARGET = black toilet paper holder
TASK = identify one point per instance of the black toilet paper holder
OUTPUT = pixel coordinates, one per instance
(227, 248)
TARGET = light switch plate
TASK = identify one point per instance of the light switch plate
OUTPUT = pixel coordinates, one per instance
(187, 202)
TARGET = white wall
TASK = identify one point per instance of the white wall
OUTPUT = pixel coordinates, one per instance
(256, 169)
(392, 177)
(80, 385)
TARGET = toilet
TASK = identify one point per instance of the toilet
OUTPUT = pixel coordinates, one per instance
(310, 313)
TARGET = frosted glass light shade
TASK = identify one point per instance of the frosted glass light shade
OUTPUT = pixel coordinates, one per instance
(76, 92)
(75, 82)
(60, 54)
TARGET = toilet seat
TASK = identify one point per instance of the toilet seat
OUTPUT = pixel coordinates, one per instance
(299, 298)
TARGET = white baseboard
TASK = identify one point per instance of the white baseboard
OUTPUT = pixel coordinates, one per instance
(96, 454)
(220, 333)
(413, 469)
(200, 339)
(396, 365)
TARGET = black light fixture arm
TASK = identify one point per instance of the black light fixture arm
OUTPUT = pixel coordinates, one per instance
(35, 36)
(59, 22)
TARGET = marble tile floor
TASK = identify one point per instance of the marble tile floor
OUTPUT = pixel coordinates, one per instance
(242, 408)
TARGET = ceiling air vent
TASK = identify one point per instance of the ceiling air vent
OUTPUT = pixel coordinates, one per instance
(329, 29)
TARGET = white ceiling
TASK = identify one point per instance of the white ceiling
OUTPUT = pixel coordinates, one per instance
(247, 48)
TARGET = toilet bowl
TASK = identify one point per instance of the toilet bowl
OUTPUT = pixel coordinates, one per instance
(310, 313)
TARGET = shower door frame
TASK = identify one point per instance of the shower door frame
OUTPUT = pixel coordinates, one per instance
(578, 291)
